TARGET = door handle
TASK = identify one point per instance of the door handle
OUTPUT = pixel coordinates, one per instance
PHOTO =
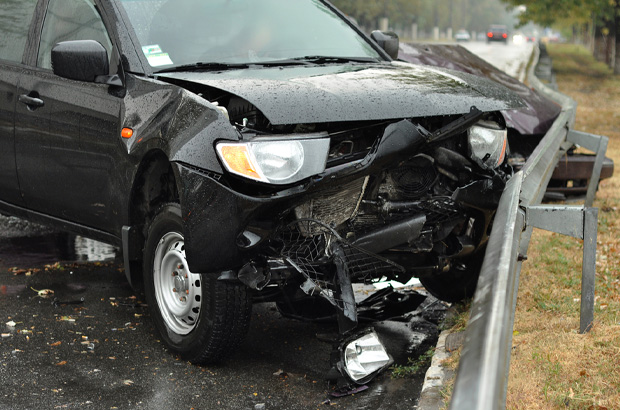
(31, 102)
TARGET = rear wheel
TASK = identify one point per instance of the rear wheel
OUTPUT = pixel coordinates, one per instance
(199, 317)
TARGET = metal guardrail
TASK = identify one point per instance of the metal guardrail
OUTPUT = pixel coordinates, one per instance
(482, 375)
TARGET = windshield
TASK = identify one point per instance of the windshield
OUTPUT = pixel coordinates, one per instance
(180, 32)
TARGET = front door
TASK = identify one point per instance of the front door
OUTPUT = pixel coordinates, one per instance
(67, 138)
(15, 19)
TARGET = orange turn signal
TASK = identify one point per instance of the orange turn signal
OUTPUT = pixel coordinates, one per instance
(126, 133)
(237, 159)
(503, 154)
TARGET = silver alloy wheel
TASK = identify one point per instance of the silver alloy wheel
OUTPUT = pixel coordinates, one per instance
(177, 290)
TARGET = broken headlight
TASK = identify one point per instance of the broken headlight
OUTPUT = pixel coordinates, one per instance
(275, 161)
(487, 143)
(363, 357)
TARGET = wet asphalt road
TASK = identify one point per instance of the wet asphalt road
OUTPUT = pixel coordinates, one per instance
(91, 344)
(511, 58)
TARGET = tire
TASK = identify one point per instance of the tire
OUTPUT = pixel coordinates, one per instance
(199, 317)
(458, 283)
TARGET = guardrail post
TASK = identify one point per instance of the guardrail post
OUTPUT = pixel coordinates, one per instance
(588, 275)
(578, 222)
(598, 145)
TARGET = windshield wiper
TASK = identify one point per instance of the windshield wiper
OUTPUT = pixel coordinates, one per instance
(313, 60)
(212, 66)
(335, 59)
(307, 60)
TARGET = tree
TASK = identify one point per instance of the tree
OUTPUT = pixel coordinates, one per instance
(368, 12)
(474, 15)
(604, 15)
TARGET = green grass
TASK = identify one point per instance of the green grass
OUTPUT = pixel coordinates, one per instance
(457, 321)
(414, 365)
(573, 59)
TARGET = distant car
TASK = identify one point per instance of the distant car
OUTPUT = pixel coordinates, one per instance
(462, 35)
(497, 33)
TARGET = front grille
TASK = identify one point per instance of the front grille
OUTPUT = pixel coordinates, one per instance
(308, 244)
(335, 206)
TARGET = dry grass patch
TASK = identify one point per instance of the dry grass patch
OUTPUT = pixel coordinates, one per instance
(553, 367)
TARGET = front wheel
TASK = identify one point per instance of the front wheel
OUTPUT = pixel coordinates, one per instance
(199, 317)
(458, 283)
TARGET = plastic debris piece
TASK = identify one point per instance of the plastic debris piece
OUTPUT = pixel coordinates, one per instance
(57, 302)
(348, 391)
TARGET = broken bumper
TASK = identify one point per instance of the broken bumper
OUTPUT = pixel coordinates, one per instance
(215, 220)
(224, 228)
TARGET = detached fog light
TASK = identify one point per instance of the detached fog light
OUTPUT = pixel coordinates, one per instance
(364, 357)
(487, 143)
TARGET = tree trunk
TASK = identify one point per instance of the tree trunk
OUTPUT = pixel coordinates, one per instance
(588, 38)
(609, 41)
(611, 46)
(599, 42)
(575, 37)
(591, 34)
(617, 40)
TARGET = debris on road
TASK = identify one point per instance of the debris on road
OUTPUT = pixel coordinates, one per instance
(44, 293)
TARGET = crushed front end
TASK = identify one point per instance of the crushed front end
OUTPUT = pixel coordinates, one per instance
(307, 210)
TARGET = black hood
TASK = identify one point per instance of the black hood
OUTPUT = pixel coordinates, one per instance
(355, 92)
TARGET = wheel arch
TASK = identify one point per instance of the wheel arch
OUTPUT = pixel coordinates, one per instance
(155, 184)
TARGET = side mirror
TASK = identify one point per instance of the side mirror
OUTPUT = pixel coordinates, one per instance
(83, 60)
(387, 40)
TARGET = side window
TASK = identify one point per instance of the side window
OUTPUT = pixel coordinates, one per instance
(15, 18)
(67, 20)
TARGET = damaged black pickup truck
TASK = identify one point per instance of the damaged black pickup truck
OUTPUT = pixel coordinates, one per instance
(244, 150)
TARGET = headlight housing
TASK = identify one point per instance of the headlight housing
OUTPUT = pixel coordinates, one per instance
(487, 143)
(277, 161)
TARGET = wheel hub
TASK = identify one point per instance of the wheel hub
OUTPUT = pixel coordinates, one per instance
(177, 289)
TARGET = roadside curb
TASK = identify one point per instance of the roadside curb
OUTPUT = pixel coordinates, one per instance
(436, 377)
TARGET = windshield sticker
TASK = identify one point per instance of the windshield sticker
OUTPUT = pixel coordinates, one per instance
(154, 49)
(155, 56)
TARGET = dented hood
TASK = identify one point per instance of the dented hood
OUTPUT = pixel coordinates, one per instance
(355, 92)
(538, 112)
